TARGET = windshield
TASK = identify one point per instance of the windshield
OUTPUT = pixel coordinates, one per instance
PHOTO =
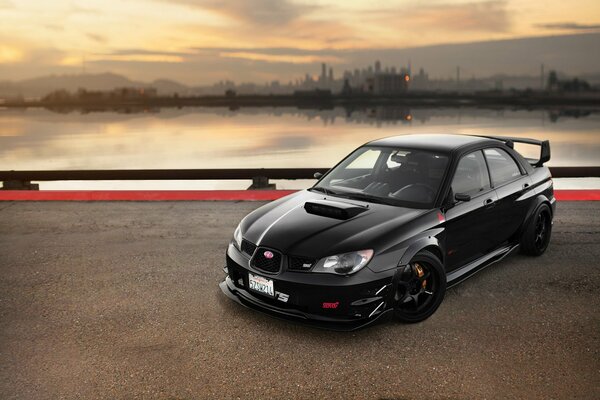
(396, 176)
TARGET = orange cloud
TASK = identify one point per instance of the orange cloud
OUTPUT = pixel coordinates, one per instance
(150, 58)
(280, 58)
(9, 55)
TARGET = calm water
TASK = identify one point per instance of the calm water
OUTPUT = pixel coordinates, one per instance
(248, 138)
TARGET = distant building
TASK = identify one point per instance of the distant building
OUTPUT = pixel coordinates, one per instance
(565, 85)
(315, 93)
(133, 93)
(346, 89)
(57, 96)
(388, 83)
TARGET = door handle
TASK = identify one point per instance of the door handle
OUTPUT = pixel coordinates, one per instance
(488, 202)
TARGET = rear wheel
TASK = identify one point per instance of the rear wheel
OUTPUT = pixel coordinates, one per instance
(420, 288)
(536, 236)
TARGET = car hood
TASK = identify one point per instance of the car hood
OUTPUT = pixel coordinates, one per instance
(287, 226)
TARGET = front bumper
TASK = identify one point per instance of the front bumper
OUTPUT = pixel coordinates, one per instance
(361, 299)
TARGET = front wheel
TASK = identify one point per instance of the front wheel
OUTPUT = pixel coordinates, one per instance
(420, 288)
(536, 236)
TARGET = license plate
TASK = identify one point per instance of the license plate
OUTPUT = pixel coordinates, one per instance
(261, 284)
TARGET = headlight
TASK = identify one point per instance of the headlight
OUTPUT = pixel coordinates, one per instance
(344, 264)
(237, 237)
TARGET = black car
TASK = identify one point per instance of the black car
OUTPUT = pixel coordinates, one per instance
(390, 228)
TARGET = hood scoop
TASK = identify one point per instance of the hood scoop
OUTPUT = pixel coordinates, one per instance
(333, 209)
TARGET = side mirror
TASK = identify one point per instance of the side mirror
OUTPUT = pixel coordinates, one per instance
(318, 175)
(462, 197)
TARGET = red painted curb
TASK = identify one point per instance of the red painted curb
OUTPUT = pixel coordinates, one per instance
(141, 195)
(200, 195)
(577, 195)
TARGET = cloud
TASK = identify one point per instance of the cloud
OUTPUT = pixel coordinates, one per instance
(254, 12)
(75, 9)
(144, 52)
(54, 27)
(127, 55)
(10, 55)
(139, 58)
(571, 26)
(5, 4)
(280, 58)
(280, 55)
(96, 38)
(275, 51)
(302, 33)
(486, 16)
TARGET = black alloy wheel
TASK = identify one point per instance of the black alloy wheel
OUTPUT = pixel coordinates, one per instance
(536, 237)
(420, 288)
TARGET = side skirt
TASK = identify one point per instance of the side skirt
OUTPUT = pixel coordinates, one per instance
(459, 275)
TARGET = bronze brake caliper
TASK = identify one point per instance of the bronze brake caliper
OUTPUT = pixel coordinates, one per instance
(420, 272)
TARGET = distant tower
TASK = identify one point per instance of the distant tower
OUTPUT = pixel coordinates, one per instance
(377, 66)
(409, 68)
(330, 74)
(542, 77)
(457, 75)
(324, 71)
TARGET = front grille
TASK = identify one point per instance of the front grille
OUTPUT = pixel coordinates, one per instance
(259, 261)
(248, 247)
(301, 263)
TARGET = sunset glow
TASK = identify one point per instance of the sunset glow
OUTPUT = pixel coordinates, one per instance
(66, 36)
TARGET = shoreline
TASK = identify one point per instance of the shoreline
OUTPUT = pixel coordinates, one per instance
(320, 101)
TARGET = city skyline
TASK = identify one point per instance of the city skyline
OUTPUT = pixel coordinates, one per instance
(203, 41)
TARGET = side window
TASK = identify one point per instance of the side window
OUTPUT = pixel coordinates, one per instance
(471, 176)
(503, 167)
(366, 160)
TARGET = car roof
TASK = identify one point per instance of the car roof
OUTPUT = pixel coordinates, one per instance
(433, 142)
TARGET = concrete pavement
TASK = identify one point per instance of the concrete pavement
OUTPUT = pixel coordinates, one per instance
(120, 300)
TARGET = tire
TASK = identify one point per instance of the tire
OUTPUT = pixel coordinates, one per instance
(536, 236)
(430, 288)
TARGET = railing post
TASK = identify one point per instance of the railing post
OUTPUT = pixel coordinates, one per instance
(261, 183)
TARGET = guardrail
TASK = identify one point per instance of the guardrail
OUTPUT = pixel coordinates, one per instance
(21, 180)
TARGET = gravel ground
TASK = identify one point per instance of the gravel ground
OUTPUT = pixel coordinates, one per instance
(121, 301)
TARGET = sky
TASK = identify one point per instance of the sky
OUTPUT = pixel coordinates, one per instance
(202, 41)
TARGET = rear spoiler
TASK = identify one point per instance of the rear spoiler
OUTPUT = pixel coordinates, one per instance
(544, 147)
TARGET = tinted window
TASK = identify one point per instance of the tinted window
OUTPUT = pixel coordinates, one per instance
(366, 160)
(396, 176)
(502, 166)
(471, 176)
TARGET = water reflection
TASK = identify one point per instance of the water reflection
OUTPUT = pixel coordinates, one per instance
(264, 137)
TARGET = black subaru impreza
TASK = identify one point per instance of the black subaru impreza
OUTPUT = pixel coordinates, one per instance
(390, 228)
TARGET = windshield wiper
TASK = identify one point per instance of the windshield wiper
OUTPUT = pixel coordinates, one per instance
(366, 197)
(322, 189)
(352, 195)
